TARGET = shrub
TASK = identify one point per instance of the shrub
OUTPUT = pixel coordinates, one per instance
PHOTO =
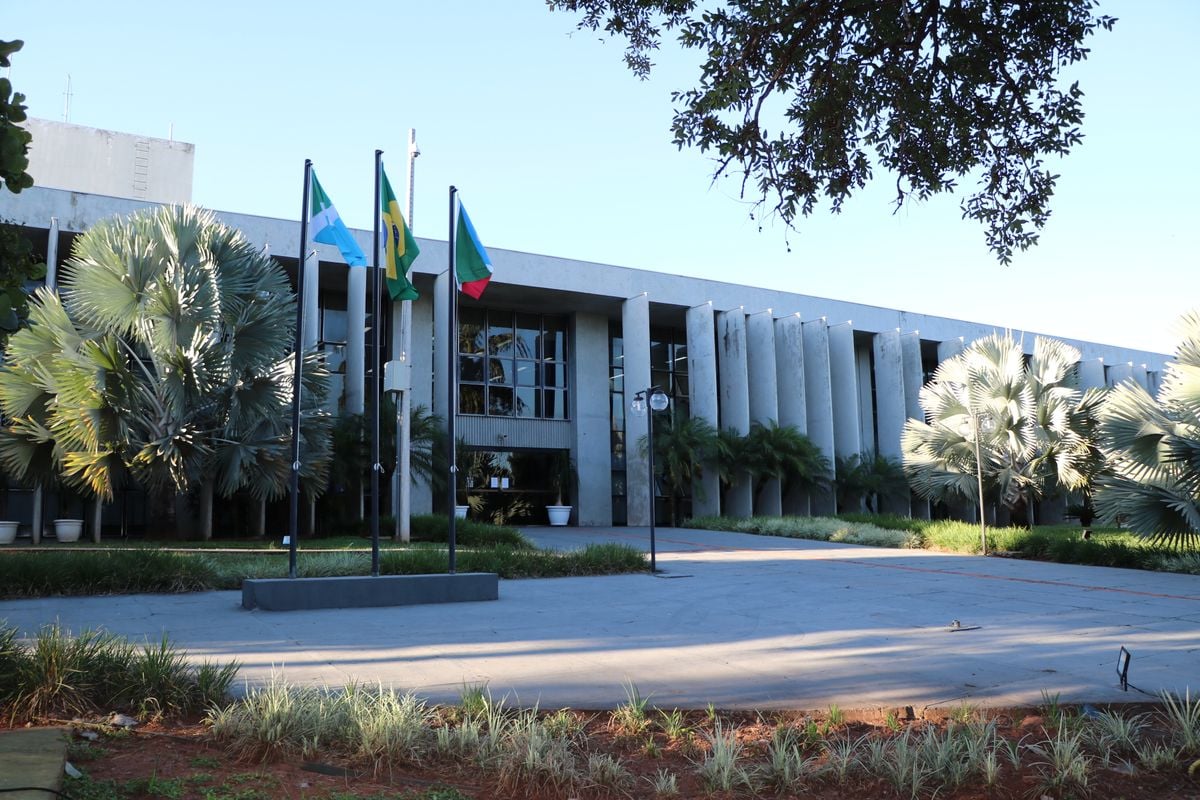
(63, 675)
(46, 574)
(467, 533)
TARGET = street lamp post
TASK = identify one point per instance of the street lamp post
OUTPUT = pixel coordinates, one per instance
(658, 401)
(397, 379)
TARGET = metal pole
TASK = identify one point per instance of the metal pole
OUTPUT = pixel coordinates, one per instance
(297, 371)
(650, 461)
(404, 407)
(452, 383)
(376, 340)
(979, 478)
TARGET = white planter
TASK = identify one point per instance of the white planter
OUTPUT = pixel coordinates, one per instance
(461, 511)
(8, 531)
(68, 530)
(559, 515)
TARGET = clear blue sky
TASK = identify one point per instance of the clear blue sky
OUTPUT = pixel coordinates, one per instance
(558, 149)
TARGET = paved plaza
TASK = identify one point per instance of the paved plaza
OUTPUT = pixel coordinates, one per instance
(735, 620)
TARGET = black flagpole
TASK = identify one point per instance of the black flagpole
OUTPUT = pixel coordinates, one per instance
(376, 324)
(452, 382)
(294, 509)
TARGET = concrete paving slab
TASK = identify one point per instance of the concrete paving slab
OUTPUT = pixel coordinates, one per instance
(736, 620)
(31, 759)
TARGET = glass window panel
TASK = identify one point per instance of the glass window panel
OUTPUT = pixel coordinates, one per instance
(526, 402)
(616, 381)
(470, 330)
(683, 409)
(618, 451)
(527, 373)
(679, 362)
(500, 401)
(528, 331)
(554, 341)
(681, 384)
(660, 356)
(500, 370)
(470, 368)
(335, 357)
(470, 399)
(333, 325)
(661, 379)
(618, 412)
(616, 346)
(500, 334)
(554, 404)
(554, 375)
(618, 484)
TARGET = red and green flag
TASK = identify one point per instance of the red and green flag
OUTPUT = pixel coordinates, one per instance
(472, 266)
(400, 248)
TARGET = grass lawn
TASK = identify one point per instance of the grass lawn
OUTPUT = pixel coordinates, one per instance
(118, 567)
(1106, 547)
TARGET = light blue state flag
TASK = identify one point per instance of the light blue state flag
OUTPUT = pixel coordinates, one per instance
(328, 228)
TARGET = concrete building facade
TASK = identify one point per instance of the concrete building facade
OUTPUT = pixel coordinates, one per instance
(551, 356)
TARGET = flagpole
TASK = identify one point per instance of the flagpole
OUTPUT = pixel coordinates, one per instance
(404, 412)
(452, 362)
(376, 324)
(297, 371)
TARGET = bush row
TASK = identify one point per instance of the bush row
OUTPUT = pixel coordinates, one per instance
(1063, 544)
(59, 675)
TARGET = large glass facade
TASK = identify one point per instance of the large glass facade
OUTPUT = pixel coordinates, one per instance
(512, 364)
(668, 371)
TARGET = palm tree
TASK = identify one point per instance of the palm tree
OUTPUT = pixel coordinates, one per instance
(1029, 423)
(165, 358)
(681, 446)
(869, 476)
(1153, 450)
(784, 454)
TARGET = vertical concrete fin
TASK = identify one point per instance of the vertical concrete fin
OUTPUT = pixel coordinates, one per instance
(702, 380)
(733, 379)
(635, 333)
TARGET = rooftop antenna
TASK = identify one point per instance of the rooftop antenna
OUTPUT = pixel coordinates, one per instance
(67, 100)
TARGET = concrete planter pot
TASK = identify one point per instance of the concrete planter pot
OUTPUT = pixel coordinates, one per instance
(559, 515)
(8, 531)
(68, 530)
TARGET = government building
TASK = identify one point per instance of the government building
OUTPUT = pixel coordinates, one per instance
(551, 357)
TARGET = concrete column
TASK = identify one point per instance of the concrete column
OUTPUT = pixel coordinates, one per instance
(889, 400)
(420, 355)
(356, 324)
(949, 349)
(847, 435)
(914, 378)
(312, 307)
(734, 386)
(1091, 373)
(789, 375)
(635, 333)
(52, 256)
(591, 398)
(1139, 375)
(441, 345)
(818, 393)
(702, 382)
(1119, 372)
(1153, 382)
(764, 396)
(889, 395)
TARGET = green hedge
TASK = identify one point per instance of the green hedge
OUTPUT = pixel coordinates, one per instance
(467, 533)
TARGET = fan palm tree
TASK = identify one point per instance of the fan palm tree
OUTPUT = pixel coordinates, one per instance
(165, 358)
(1153, 450)
(869, 476)
(681, 446)
(1028, 422)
